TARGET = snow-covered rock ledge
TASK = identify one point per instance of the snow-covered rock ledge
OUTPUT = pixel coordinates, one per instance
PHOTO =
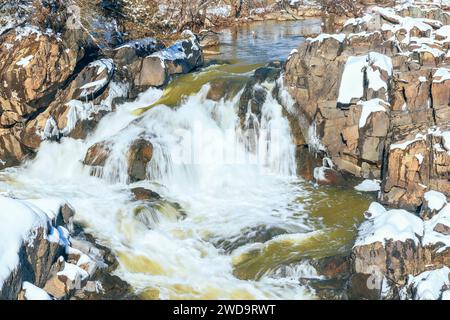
(40, 260)
(397, 255)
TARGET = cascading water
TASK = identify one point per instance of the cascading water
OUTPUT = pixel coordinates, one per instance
(201, 160)
(234, 222)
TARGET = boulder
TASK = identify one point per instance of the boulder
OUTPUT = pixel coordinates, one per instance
(142, 194)
(208, 38)
(139, 155)
(97, 154)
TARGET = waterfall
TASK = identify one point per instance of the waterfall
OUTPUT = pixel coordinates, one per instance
(201, 160)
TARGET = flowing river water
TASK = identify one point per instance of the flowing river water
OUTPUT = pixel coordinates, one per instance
(245, 226)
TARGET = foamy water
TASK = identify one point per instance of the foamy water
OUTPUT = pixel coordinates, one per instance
(227, 181)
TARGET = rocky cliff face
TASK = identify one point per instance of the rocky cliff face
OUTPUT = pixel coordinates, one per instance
(59, 79)
(376, 95)
(373, 101)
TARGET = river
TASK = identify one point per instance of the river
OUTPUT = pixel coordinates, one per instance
(247, 225)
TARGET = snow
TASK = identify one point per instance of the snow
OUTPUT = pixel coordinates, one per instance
(443, 32)
(368, 186)
(446, 140)
(93, 86)
(395, 224)
(219, 11)
(405, 144)
(369, 107)
(177, 51)
(434, 51)
(436, 200)
(432, 237)
(102, 64)
(419, 158)
(429, 284)
(446, 295)
(34, 293)
(323, 36)
(352, 83)
(73, 272)
(441, 75)
(25, 61)
(375, 210)
(18, 221)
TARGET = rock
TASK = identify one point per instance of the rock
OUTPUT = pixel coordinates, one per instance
(414, 165)
(56, 288)
(223, 88)
(433, 202)
(183, 56)
(142, 194)
(97, 154)
(394, 245)
(414, 99)
(131, 51)
(442, 228)
(151, 72)
(254, 95)
(139, 155)
(208, 38)
(35, 260)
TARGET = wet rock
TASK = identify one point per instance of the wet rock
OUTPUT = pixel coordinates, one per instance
(208, 38)
(97, 154)
(254, 95)
(142, 194)
(307, 161)
(139, 155)
(223, 88)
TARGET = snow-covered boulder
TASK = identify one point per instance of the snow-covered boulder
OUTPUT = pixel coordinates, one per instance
(29, 242)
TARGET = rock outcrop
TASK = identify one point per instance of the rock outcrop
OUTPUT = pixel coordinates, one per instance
(374, 100)
(392, 247)
(56, 84)
(54, 259)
